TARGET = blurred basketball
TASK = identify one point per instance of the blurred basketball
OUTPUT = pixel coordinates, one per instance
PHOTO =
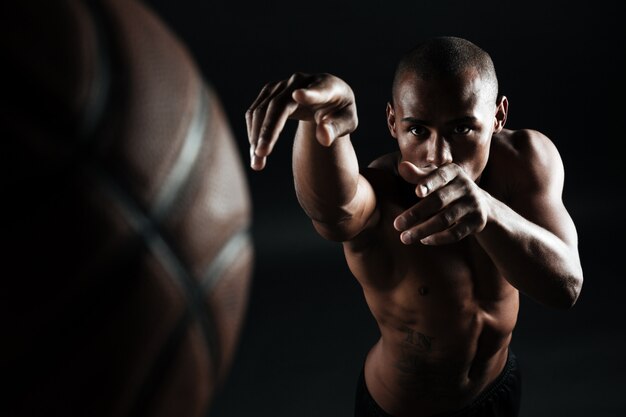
(126, 256)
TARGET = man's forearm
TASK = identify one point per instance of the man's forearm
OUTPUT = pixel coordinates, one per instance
(531, 258)
(326, 178)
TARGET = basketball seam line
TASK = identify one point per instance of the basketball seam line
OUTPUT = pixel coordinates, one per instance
(187, 158)
(225, 257)
(149, 231)
(144, 223)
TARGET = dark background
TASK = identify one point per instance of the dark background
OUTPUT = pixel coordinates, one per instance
(560, 64)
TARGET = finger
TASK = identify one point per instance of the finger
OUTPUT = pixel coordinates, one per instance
(430, 206)
(257, 163)
(407, 219)
(278, 111)
(259, 110)
(259, 118)
(265, 91)
(334, 124)
(453, 234)
(443, 220)
(437, 179)
(325, 133)
(319, 92)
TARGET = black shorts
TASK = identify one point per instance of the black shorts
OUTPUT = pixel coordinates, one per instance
(500, 399)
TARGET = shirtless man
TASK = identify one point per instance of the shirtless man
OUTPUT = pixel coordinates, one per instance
(442, 235)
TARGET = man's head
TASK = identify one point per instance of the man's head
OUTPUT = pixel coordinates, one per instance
(445, 105)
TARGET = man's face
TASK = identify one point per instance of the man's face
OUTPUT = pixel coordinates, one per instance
(443, 120)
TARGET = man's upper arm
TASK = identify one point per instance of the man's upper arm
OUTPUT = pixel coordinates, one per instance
(538, 190)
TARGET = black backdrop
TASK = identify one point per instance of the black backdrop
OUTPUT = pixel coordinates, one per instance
(561, 64)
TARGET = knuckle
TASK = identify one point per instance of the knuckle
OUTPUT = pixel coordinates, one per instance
(275, 105)
(271, 87)
(352, 118)
(442, 174)
(475, 221)
(448, 217)
(438, 198)
(281, 99)
(325, 76)
(258, 111)
(295, 77)
(477, 207)
(453, 170)
(319, 116)
(272, 104)
(458, 233)
(264, 132)
(473, 203)
(481, 218)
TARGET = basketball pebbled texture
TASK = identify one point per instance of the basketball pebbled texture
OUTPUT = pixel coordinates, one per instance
(126, 259)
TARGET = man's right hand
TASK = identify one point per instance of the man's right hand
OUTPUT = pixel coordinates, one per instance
(322, 99)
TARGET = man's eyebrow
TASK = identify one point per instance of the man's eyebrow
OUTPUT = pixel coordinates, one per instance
(414, 120)
(464, 119)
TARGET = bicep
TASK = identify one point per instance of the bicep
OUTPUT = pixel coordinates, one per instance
(540, 191)
(549, 212)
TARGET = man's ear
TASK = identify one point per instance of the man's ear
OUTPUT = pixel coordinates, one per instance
(502, 110)
(391, 120)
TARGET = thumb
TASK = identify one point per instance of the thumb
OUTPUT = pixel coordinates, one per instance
(320, 91)
(413, 174)
(335, 124)
(311, 96)
(326, 132)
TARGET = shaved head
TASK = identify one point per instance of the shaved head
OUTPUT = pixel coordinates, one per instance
(446, 56)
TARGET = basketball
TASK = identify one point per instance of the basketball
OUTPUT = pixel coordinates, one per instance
(127, 256)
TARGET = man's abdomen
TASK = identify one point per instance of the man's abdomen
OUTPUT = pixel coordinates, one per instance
(445, 329)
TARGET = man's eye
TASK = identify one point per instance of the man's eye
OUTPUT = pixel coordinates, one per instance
(418, 131)
(462, 130)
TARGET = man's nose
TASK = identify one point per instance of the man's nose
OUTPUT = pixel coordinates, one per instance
(438, 151)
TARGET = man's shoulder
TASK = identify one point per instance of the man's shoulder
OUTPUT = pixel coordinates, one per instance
(389, 187)
(522, 144)
(525, 156)
(383, 170)
(387, 163)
